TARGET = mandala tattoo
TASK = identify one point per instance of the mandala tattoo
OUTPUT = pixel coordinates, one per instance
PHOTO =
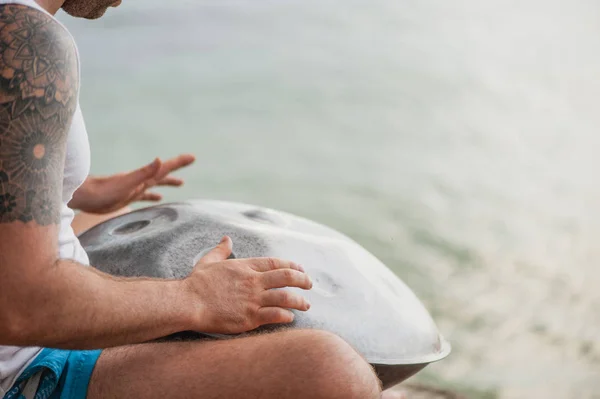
(38, 96)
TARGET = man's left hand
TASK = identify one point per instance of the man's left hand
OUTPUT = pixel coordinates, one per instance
(108, 194)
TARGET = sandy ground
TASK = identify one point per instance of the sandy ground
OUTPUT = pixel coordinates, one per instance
(416, 391)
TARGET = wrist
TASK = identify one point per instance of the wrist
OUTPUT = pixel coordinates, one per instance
(187, 302)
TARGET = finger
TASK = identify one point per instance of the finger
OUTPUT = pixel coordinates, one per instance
(268, 264)
(176, 163)
(284, 299)
(286, 278)
(170, 181)
(135, 194)
(153, 197)
(219, 253)
(274, 316)
(169, 166)
(141, 175)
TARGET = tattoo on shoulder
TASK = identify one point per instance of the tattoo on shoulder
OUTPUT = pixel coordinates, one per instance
(38, 96)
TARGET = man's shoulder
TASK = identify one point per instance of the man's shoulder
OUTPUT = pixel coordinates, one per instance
(38, 63)
(30, 11)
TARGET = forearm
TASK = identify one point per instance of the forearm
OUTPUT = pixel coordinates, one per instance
(77, 307)
(81, 195)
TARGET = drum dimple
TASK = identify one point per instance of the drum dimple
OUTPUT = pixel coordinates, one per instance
(324, 284)
(263, 216)
(131, 227)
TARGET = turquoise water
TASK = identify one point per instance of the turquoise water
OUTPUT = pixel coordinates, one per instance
(455, 140)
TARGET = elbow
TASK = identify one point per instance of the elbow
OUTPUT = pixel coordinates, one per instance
(23, 310)
(13, 328)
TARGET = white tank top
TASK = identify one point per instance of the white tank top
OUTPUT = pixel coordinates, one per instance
(13, 360)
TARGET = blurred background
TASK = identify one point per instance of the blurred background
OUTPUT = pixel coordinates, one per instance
(458, 141)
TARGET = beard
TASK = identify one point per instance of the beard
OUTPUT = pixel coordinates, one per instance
(89, 9)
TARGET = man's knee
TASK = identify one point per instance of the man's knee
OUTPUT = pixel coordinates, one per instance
(332, 368)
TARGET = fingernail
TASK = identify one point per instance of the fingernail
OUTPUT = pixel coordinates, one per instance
(307, 305)
(301, 268)
(153, 165)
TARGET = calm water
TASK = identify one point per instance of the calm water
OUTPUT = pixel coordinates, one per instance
(456, 140)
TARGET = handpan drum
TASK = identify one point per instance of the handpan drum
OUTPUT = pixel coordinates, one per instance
(354, 295)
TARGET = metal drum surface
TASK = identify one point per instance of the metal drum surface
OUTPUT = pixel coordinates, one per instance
(354, 295)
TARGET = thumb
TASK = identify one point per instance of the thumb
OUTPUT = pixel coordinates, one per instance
(141, 175)
(219, 253)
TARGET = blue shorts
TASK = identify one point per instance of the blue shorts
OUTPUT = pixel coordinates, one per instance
(65, 374)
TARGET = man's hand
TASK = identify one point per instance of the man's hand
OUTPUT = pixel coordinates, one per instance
(238, 295)
(108, 194)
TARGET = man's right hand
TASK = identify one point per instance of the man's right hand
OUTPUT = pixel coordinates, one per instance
(238, 295)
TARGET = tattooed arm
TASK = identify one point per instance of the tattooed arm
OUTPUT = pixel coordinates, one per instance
(43, 300)
(49, 302)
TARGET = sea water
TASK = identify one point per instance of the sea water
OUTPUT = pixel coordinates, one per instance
(458, 141)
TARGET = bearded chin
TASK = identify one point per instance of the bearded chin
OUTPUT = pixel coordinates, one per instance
(83, 9)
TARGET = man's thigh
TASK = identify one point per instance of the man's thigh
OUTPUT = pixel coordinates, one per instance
(280, 365)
